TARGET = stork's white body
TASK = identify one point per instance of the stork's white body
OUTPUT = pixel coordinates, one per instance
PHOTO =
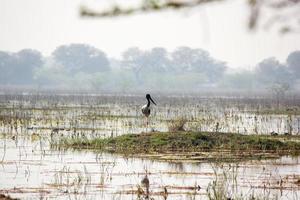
(146, 110)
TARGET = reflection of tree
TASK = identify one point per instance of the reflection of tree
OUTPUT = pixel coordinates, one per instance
(285, 12)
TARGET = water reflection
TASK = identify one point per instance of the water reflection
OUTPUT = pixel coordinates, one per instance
(30, 169)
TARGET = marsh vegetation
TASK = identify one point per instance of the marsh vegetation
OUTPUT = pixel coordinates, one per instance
(192, 142)
(78, 146)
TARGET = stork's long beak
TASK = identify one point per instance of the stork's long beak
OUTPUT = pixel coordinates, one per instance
(152, 101)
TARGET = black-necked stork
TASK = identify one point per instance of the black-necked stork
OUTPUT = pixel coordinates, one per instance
(146, 107)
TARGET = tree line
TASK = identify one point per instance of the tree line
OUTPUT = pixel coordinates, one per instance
(81, 66)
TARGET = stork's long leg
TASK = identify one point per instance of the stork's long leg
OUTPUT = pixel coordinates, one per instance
(147, 124)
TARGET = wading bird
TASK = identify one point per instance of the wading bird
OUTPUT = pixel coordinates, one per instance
(146, 107)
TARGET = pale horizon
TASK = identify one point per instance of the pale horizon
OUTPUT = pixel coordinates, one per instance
(219, 28)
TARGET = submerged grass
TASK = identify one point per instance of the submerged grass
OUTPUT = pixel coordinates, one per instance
(158, 142)
(278, 111)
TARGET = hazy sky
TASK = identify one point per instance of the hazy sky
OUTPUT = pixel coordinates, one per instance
(220, 28)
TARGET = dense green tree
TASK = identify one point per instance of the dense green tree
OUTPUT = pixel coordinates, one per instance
(293, 63)
(270, 71)
(81, 57)
(19, 68)
(185, 59)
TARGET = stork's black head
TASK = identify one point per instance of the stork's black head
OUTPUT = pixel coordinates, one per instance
(148, 97)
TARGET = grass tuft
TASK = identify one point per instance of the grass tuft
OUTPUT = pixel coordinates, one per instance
(177, 125)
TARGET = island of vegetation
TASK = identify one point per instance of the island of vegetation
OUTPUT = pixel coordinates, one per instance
(199, 146)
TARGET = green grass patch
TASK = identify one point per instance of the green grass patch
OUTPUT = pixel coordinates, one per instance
(158, 142)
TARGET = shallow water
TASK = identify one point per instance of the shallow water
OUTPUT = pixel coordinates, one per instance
(31, 170)
(102, 119)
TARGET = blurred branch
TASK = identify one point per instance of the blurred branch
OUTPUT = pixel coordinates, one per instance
(285, 13)
(146, 6)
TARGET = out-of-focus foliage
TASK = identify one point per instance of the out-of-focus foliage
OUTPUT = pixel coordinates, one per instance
(284, 14)
(185, 69)
(141, 6)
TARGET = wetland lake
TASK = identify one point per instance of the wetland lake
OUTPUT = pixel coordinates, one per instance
(31, 168)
